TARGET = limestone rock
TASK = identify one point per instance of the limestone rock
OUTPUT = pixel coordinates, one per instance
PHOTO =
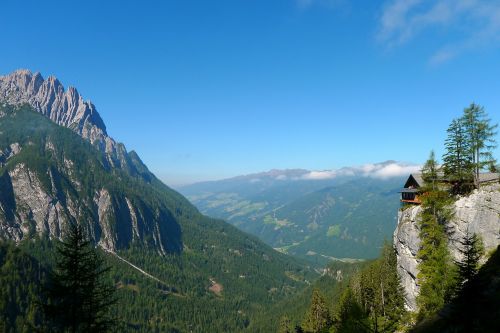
(64, 107)
(478, 212)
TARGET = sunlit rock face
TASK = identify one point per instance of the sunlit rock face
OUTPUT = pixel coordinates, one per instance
(64, 107)
(477, 213)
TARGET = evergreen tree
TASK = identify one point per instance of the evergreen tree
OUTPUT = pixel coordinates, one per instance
(480, 135)
(457, 160)
(79, 297)
(318, 317)
(436, 270)
(436, 273)
(349, 317)
(391, 290)
(472, 250)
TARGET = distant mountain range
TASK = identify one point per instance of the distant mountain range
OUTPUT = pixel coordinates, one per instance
(345, 213)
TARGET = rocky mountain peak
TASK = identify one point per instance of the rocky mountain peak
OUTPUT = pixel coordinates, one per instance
(64, 107)
(48, 96)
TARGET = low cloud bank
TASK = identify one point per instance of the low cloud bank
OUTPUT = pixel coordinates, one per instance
(379, 171)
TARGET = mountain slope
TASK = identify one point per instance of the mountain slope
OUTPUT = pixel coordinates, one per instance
(51, 176)
(345, 213)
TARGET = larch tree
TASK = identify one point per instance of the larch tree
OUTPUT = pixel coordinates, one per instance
(481, 137)
(430, 171)
(457, 159)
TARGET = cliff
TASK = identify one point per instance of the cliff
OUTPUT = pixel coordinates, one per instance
(478, 212)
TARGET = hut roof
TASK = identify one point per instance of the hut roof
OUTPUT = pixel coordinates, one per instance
(416, 178)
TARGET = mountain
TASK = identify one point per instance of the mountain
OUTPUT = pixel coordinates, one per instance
(176, 269)
(66, 108)
(50, 176)
(319, 215)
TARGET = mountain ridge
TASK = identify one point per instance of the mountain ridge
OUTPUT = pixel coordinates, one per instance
(65, 107)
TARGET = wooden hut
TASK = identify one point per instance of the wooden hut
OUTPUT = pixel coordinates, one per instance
(412, 188)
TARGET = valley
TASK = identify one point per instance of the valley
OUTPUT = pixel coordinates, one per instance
(346, 216)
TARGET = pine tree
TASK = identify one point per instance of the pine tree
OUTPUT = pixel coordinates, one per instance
(480, 134)
(318, 317)
(472, 250)
(79, 297)
(457, 160)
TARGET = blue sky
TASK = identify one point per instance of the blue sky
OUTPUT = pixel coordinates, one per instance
(212, 89)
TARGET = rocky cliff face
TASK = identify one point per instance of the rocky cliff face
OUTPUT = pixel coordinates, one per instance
(50, 176)
(479, 213)
(64, 107)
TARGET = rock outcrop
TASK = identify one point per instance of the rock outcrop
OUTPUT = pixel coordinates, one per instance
(64, 107)
(478, 213)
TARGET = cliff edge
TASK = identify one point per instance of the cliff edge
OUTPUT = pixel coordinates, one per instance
(478, 212)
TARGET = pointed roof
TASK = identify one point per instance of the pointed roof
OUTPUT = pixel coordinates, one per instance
(416, 180)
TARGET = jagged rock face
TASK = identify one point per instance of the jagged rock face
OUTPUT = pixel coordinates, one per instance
(64, 107)
(478, 213)
(27, 207)
(50, 177)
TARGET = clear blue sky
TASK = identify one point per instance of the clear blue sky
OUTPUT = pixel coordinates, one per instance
(210, 89)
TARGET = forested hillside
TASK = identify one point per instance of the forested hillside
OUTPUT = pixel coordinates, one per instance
(212, 274)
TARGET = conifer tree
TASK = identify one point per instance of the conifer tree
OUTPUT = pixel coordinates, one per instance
(349, 317)
(79, 297)
(472, 250)
(480, 134)
(457, 160)
(436, 270)
(465, 311)
(318, 317)
(391, 290)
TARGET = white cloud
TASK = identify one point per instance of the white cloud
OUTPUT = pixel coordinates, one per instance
(379, 171)
(320, 175)
(466, 24)
(392, 170)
